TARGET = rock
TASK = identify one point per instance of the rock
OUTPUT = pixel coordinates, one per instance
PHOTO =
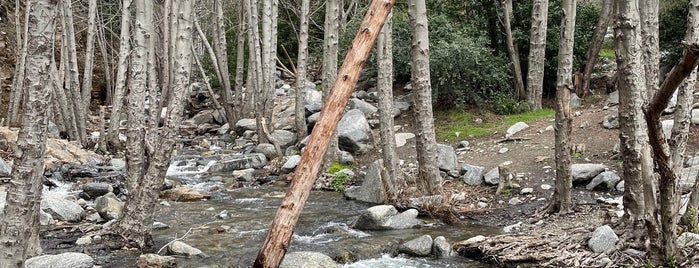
(363, 106)
(545, 187)
(371, 189)
(613, 98)
(584, 172)
(284, 138)
(405, 220)
(181, 249)
(266, 149)
(117, 164)
(575, 101)
(402, 138)
(418, 247)
(473, 240)
(63, 260)
(527, 190)
(603, 239)
(695, 116)
(5, 168)
(401, 105)
(346, 158)
(183, 194)
(440, 247)
(63, 151)
(53, 131)
(245, 124)
(672, 104)
(45, 219)
(687, 177)
(314, 99)
(312, 119)
(611, 121)
(353, 132)
(513, 228)
(3, 198)
(446, 157)
(109, 206)
(307, 259)
(159, 226)
(237, 162)
(386, 217)
(620, 186)
(151, 260)
(224, 129)
(473, 175)
(62, 209)
(515, 201)
(203, 117)
(464, 144)
(503, 150)
(85, 240)
(482, 205)
(95, 189)
(492, 177)
(608, 179)
(291, 163)
(687, 239)
(514, 129)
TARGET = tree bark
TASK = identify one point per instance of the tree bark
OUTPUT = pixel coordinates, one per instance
(562, 201)
(122, 67)
(425, 141)
(683, 110)
(73, 87)
(215, 58)
(330, 50)
(302, 66)
(18, 78)
(279, 236)
(595, 46)
(514, 56)
(89, 56)
(537, 53)
(19, 229)
(221, 49)
(648, 10)
(242, 93)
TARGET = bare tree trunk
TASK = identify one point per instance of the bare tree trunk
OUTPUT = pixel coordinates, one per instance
(242, 93)
(514, 57)
(648, 10)
(215, 58)
(89, 56)
(256, 64)
(67, 113)
(165, 62)
(425, 141)
(595, 46)
(19, 232)
(330, 51)
(631, 86)
(392, 179)
(537, 53)
(106, 60)
(267, 71)
(122, 67)
(220, 47)
(279, 235)
(302, 67)
(205, 77)
(74, 75)
(152, 72)
(18, 78)
(685, 97)
(562, 201)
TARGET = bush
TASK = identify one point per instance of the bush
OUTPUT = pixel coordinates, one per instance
(505, 105)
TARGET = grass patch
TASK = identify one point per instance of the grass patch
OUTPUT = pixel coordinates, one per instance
(339, 181)
(336, 166)
(457, 125)
(607, 53)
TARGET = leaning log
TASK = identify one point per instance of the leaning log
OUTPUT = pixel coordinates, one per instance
(279, 236)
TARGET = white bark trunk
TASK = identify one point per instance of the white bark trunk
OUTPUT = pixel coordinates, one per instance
(330, 51)
(73, 72)
(18, 79)
(514, 56)
(302, 67)
(537, 53)
(242, 94)
(122, 66)
(220, 46)
(89, 55)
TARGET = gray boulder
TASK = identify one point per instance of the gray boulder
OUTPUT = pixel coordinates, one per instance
(418, 247)
(95, 189)
(695, 116)
(613, 98)
(284, 138)
(151, 260)
(607, 179)
(363, 106)
(63, 260)
(244, 174)
(5, 168)
(314, 100)
(402, 138)
(371, 189)
(179, 248)
(492, 177)
(603, 239)
(446, 157)
(687, 239)
(386, 217)
(401, 105)
(620, 186)
(109, 206)
(611, 121)
(307, 259)
(687, 177)
(346, 158)
(244, 125)
(440, 247)
(62, 209)
(312, 119)
(45, 219)
(203, 117)
(238, 162)
(514, 129)
(224, 129)
(353, 132)
(584, 172)
(266, 149)
(575, 101)
(291, 163)
(473, 175)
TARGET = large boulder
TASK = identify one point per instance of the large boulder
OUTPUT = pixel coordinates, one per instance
(492, 177)
(5, 168)
(237, 162)
(109, 206)
(446, 157)
(516, 128)
(603, 239)
(266, 149)
(284, 138)
(472, 175)
(687, 177)
(291, 163)
(307, 259)
(245, 124)
(354, 132)
(440, 247)
(151, 260)
(203, 117)
(61, 208)
(607, 179)
(63, 260)
(613, 98)
(611, 121)
(363, 106)
(418, 247)
(584, 172)
(96, 189)
(386, 217)
(402, 138)
(179, 248)
(371, 190)
(63, 151)
(314, 100)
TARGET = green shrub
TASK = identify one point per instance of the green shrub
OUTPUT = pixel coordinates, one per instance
(503, 104)
(338, 182)
(336, 166)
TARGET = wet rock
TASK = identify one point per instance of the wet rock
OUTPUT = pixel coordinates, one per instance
(291, 163)
(64, 260)
(109, 206)
(402, 138)
(95, 189)
(418, 247)
(492, 177)
(183, 194)
(363, 106)
(371, 190)
(473, 175)
(244, 125)
(155, 261)
(284, 138)
(5, 168)
(230, 163)
(687, 239)
(446, 157)
(607, 179)
(312, 119)
(440, 247)
(613, 98)
(611, 121)
(584, 172)
(181, 249)
(473, 240)
(516, 128)
(603, 239)
(386, 217)
(62, 209)
(354, 133)
(307, 259)
(266, 149)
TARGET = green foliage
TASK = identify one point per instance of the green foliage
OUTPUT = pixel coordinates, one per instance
(506, 192)
(607, 53)
(672, 20)
(455, 124)
(338, 182)
(336, 166)
(505, 105)
(576, 155)
(648, 265)
(691, 216)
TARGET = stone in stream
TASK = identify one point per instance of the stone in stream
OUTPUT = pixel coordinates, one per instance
(109, 206)
(230, 163)
(386, 217)
(371, 190)
(266, 149)
(180, 248)
(63, 260)
(151, 260)
(62, 209)
(446, 157)
(603, 239)
(95, 189)
(354, 133)
(584, 172)
(183, 194)
(245, 124)
(284, 138)
(291, 163)
(440, 247)
(307, 259)
(472, 175)
(418, 247)
(608, 179)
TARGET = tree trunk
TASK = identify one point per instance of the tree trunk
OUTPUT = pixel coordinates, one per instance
(562, 201)
(425, 141)
(648, 10)
(19, 232)
(330, 51)
(74, 75)
(205, 77)
(166, 66)
(631, 86)
(18, 78)
(106, 62)
(302, 66)
(220, 47)
(242, 93)
(267, 71)
(215, 58)
(683, 110)
(279, 236)
(89, 56)
(595, 46)
(514, 57)
(122, 67)
(537, 53)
